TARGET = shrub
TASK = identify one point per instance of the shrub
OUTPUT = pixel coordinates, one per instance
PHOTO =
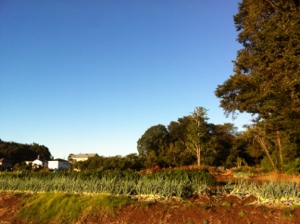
(293, 167)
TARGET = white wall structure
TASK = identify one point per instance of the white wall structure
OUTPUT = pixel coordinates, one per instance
(39, 163)
(58, 164)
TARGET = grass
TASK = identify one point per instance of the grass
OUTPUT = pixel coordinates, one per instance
(68, 208)
(242, 175)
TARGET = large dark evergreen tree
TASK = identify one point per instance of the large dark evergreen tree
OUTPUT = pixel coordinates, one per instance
(266, 79)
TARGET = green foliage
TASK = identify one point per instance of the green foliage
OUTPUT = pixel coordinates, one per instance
(270, 192)
(287, 213)
(178, 183)
(266, 165)
(101, 163)
(191, 139)
(242, 213)
(198, 132)
(153, 145)
(292, 167)
(266, 75)
(226, 204)
(154, 139)
(21, 152)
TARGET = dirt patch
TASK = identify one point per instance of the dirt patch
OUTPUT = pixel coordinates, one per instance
(208, 210)
(229, 210)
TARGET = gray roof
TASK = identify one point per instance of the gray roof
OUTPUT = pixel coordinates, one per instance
(58, 159)
(86, 155)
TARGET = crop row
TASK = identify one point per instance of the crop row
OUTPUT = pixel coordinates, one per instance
(167, 184)
(269, 192)
(158, 185)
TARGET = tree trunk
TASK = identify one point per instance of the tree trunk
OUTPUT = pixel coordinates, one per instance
(279, 149)
(198, 156)
(263, 145)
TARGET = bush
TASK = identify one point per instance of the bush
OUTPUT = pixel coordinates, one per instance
(293, 167)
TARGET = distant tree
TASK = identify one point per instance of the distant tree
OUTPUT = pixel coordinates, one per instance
(178, 154)
(153, 145)
(222, 137)
(70, 157)
(198, 132)
(133, 162)
(21, 152)
(245, 150)
(41, 151)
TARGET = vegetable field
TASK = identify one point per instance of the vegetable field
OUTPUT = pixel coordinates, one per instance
(180, 184)
(164, 185)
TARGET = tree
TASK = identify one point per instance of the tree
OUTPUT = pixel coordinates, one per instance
(178, 154)
(257, 133)
(197, 132)
(21, 152)
(153, 145)
(267, 74)
(222, 138)
(266, 79)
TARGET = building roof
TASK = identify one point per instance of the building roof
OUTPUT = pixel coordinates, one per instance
(86, 155)
(60, 160)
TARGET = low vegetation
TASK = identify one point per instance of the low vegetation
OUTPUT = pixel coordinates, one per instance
(167, 184)
(66, 197)
(67, 208)
(269, 192)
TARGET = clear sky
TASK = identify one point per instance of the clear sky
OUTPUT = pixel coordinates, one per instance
(92, 76)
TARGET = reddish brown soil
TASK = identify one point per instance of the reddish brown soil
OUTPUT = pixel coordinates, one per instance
(204, 211)
(228, 210)
(209, 210)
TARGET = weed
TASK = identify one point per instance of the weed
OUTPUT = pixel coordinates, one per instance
(146, 204)
(287, 213)
(241, 213)
(296, 206)
(204, 207)
(226, 204)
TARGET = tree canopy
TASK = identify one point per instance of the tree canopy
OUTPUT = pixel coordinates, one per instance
(266, 79)
(18, 152)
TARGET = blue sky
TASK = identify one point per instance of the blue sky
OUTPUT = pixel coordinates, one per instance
(92, 76)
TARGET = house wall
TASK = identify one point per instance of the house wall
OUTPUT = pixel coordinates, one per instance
(63, 165)
(53, 165)
(80, 159)
(39, 163)
(58, 165)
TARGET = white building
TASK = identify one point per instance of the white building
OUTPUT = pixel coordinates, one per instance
(39, 163)
(58, 164)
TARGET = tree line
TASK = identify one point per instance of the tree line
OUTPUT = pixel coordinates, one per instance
(18, 153)
(265, 83)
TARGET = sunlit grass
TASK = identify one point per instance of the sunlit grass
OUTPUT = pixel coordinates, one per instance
(68, 208)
